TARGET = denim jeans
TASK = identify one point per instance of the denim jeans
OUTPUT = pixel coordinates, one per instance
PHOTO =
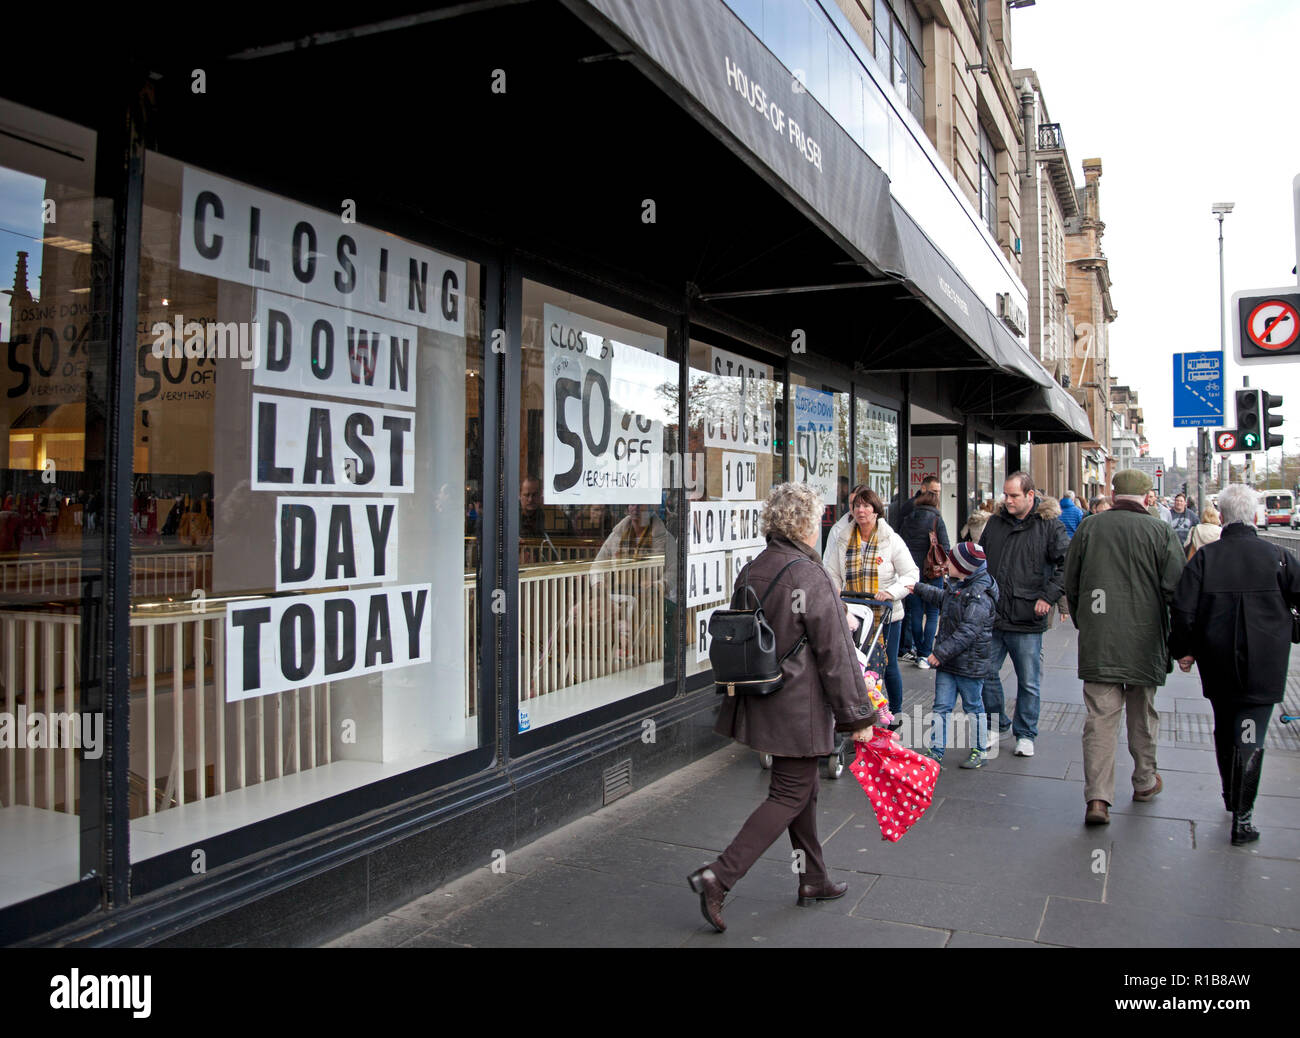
(946, 688)
(894, 676)
(1026, 651)
(921, 620)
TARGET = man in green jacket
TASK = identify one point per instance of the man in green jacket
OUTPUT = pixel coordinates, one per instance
(1120, 575)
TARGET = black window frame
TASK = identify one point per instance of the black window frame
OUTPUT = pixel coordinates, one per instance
(885, 37)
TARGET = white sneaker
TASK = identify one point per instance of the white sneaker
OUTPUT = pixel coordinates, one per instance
(1024, 747)
(923, 664)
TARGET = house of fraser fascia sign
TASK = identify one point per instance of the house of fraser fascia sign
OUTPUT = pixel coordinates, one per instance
(761, 100)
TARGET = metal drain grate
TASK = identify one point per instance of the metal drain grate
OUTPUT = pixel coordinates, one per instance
(618, 781)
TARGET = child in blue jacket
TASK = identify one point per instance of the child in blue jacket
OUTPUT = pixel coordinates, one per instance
(963, 648)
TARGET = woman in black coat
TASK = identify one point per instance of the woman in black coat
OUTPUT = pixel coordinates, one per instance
(921, 617)
(1231, 616)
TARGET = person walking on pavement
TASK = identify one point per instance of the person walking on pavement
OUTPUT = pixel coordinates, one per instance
(1071, 514)
(1155, 506)
(1181, 519)
(1025, 544)
(968, 604)
(824, 692)
(1232, 618)
(1120, 575)
(1207, 531)
(899, 510)
(921, 616)
(863, 554)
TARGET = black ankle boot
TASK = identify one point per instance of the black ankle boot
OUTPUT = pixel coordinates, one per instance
(1246, 768)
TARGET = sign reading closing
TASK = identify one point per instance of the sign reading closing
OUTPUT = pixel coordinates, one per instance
(608, 393)
(237, 233)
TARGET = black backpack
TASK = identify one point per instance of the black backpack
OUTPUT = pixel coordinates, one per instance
(742, 647)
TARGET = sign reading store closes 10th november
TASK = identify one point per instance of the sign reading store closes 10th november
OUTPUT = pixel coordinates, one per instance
(608, 393)
(739, 399)
(237, 233)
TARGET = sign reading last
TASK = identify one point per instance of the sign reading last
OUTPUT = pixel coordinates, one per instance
(1267, 325)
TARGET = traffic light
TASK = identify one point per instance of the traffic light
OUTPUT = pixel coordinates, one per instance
(1268, 420)
(1248, 420)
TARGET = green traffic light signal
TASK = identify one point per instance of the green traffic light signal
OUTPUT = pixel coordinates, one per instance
(1250, 441)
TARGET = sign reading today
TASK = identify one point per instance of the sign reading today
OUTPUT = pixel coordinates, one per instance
(608, 394)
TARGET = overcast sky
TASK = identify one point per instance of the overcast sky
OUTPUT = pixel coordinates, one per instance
(1186, 104)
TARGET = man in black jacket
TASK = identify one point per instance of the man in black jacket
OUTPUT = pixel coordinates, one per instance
(1026, 547)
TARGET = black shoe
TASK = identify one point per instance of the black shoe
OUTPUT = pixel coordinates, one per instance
(1246, 768)
(811, 893)
(712, 894)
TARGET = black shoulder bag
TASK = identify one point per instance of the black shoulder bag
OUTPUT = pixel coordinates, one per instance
(742, 647)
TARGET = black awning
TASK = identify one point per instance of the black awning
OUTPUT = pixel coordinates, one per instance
(710, 63)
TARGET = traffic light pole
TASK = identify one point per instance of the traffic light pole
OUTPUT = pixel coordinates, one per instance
(1248, 469)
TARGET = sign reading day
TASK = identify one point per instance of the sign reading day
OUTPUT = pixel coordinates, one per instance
(608, 393)
(337, 309)
(817, 445)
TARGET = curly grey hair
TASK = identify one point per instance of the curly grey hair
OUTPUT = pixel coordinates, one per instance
(792, 511)
(1238, 504)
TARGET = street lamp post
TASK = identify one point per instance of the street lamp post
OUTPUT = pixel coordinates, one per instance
(1219, 210)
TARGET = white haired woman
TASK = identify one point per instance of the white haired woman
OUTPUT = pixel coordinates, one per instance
(1232, 617)
(823, 693)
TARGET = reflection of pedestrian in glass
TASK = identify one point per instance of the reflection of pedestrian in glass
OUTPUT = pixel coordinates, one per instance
(535, 539)
(863, 554)
(638, 536)
(1232, 618)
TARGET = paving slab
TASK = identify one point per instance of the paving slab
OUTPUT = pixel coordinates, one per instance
(387, 931)
(1240, 887)
(562, 907)
(1001, 913)
(759, 924)
(982, 940)
(1083, 924)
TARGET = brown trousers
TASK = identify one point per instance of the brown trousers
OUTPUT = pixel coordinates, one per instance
(1105, 703)
(791, 806)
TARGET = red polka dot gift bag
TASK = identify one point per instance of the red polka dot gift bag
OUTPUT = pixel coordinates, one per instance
(899, 782)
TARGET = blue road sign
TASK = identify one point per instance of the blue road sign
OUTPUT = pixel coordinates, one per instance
(1198, 390)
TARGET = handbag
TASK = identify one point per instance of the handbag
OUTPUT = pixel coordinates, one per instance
(899, 782)
(1295, 617)
(742, 646)
(936, 562)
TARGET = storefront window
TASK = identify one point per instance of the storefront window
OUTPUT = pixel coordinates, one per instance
(307, 470)
(877, 449)
(821, 453)
(734, 456)
(52, 431)
(598, 534)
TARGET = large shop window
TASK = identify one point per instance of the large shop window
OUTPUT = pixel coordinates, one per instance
(52, 434)
(822, 451)
(735, 455)
(307, 419)
(876, 451)
(598, 537)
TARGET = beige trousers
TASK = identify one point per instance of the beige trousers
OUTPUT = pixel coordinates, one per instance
(1105, 703)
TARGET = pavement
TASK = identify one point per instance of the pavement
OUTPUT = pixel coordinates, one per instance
(1001, 859)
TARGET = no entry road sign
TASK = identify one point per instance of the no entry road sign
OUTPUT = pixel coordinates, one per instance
(1267, 325)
